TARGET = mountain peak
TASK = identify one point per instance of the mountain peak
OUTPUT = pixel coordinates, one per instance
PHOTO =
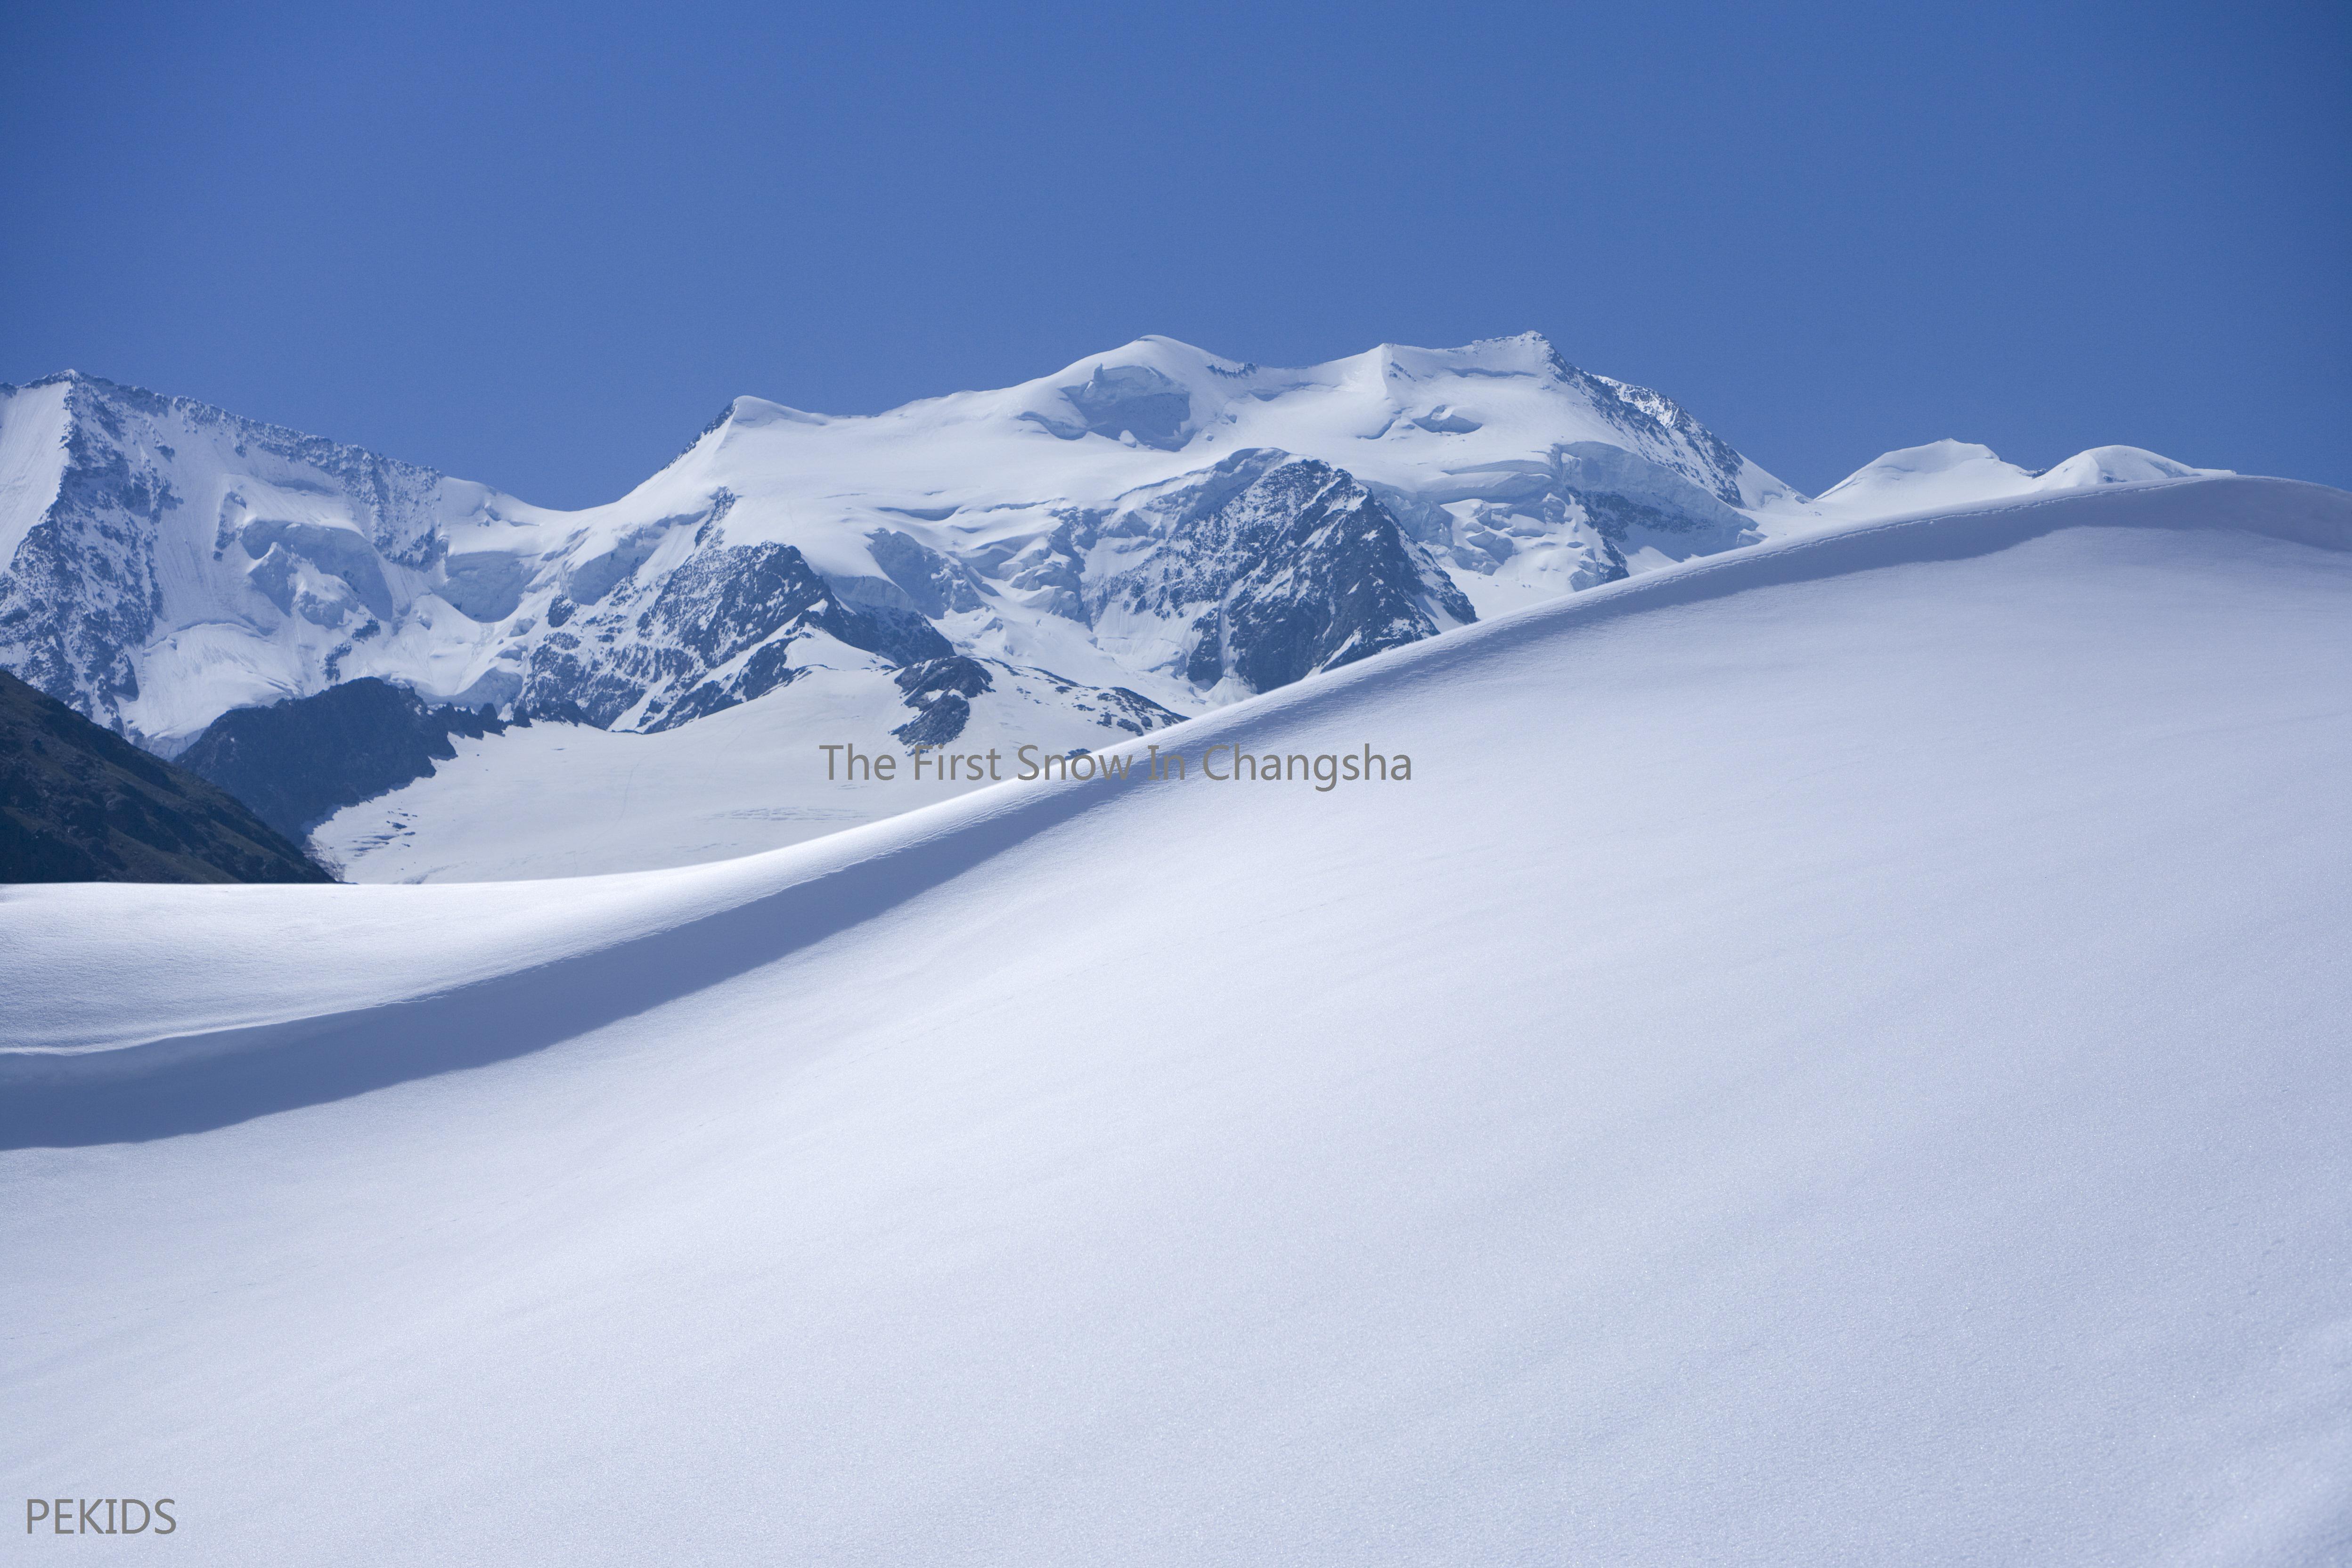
(1173, 357)
(752, 412)
(1949, 473)
(994, 513)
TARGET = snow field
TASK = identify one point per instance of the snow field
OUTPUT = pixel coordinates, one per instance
(1835, 1056)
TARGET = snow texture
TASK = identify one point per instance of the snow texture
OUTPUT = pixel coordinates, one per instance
(1835, 1056)
(568, 800)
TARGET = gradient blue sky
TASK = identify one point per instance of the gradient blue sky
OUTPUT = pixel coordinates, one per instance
(541, 246)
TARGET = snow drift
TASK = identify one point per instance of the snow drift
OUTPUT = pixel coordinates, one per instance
(1835, 1056)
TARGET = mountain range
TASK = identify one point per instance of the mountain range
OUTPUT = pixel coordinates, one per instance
(1145, 535)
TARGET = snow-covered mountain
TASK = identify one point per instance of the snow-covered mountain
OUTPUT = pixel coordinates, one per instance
(1944, 474)
(1837, 1055)
(567, 800)
(1144, 535)
(1156, 518)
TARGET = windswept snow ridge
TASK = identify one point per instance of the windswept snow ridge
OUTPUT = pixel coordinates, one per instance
(1946, 474)
(1835, 1056)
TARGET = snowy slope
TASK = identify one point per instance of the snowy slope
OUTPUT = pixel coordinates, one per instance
(166, 561)
(1834, 1056)
(1946, 474)
(570, 800)
(545, 805)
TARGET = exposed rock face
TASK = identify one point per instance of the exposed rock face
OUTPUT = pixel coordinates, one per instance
(941, 692)
(81, 804)
(299, 762)
(716, 631)
(1276, 567)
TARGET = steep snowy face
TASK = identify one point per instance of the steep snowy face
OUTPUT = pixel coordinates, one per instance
(33, 432)
(173, 561)
(170, 560)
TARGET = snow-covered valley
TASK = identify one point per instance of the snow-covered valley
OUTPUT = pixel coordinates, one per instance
(1835, 1055)
(565, 800)
(568, 800)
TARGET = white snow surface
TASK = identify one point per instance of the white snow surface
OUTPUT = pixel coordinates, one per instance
(1835, 1056)
(975, 468)
(513, 809)
(1946, 474)
(32, 459)
(570, 800)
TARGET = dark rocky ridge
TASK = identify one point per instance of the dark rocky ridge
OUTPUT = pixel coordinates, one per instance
(297, 763)
(692, 631)
(942, 691)
(78, 803)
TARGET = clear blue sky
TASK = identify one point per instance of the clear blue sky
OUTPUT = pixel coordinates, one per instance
(540, 246)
